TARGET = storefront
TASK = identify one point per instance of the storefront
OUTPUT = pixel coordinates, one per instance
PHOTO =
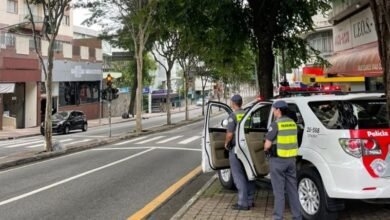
(20, 80)
(76, 86)
(356, 51)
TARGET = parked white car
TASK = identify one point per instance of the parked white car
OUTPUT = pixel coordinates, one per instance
(343, 154)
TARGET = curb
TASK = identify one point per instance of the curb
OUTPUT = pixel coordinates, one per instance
(82, 147)
(190, 202)
(98, 125)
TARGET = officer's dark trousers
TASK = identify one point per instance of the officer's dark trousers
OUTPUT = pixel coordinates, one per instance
(246, 189)
(283, 177)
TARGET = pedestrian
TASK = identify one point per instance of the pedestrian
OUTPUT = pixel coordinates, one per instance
(246, 188)
(282, 145)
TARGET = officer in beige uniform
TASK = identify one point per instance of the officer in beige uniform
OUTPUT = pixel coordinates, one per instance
(246, 189)
(282, 145)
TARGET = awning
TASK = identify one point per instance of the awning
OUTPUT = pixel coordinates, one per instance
(114, 75)
(321, 79)
(7, 88)
(361, 61)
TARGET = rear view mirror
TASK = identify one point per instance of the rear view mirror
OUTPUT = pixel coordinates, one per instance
(224, 123)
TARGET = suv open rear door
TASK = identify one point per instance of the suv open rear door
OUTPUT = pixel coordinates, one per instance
(250, 139)
(214, 155)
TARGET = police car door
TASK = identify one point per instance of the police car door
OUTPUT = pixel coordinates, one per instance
(214, 155)
(250, 139)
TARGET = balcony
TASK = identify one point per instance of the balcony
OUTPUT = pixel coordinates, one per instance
(37, 19)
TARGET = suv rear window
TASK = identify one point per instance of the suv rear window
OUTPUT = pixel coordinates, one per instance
(352, 114)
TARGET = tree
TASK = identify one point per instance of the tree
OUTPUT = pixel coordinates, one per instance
(187, 63)
(129, 77)
(166, 47)
(381, 12)
(135, 17)
(53, 11)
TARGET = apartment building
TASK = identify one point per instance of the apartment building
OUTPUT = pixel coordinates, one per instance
(76, 74)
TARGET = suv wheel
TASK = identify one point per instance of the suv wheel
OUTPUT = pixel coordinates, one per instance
(226, 179)
(85, 127)
(66, 129)
(312, 196)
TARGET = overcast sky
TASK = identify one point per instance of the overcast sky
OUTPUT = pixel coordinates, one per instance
(79, 15)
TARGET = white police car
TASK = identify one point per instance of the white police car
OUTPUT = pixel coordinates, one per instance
(343, 149)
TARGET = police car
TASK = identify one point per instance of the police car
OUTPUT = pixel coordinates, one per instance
(343, 148)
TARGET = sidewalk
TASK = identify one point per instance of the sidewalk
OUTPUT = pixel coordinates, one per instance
(214, 202)
(9, 133)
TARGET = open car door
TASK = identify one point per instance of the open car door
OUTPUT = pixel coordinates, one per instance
(214, 155)
(251, 133)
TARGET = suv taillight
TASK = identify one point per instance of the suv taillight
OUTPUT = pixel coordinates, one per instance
(359, 147)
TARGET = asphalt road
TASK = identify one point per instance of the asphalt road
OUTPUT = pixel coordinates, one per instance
(36, 143)
(110, 182)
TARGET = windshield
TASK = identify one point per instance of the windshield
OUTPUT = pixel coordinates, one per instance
(60, 115)
(352, 114)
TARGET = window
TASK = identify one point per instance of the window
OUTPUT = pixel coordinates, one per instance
(12, 6)
(66, 20)
(259, 118)
(75, 93)
(354, 114)
(7, 40)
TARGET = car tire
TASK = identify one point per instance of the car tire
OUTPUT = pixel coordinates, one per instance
(226, 179)
(85, 127)
(66, 129)
(310, 187)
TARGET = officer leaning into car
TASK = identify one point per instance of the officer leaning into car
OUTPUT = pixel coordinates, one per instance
(246, 189)
(281, 145)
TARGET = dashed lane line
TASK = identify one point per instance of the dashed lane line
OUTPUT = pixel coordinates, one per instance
(16, 198)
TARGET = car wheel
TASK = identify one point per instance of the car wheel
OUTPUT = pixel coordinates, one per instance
(313, 197)
(66, 129)
(85, 127)
(226, 179)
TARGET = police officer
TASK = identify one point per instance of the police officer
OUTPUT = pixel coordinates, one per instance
(246, 189)
(282, 145)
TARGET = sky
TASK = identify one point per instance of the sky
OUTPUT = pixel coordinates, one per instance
(79, 15)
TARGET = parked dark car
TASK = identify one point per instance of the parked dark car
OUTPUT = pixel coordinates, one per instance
(63, 122)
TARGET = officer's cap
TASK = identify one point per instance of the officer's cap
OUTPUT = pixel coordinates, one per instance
(237, 99)
(280, 104)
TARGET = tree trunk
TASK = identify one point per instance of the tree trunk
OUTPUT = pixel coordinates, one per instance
(381, 13)
(186, 96)
(168, 97)
(48, 110)
(133, 95)
(139, 59)
(266, 65)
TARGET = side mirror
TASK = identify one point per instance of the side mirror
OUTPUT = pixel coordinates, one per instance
(224, 123)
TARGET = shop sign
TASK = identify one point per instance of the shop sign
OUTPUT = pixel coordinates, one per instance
(355, 31)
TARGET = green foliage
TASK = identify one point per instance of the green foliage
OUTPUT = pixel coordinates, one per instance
(128, 70)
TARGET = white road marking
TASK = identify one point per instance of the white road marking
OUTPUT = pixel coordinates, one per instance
(23, 144)
(169, 139)
(151, 139)
(188, 140)
(3, 157)
(16, 198)
(130, 141)
(38, 145)
(76, 142)
(140, 148)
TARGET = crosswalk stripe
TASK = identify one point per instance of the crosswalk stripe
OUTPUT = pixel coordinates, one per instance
(130, 141)
(82, 141)
(39, 145)
(151, 139)
(23, 144)
(188, 140)
(169, 139)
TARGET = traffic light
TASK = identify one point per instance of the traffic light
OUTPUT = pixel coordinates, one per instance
(115, 94)
(109, 80)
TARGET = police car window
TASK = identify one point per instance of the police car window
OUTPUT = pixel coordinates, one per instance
(259, 118)
(352, 114)
(216, 115)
